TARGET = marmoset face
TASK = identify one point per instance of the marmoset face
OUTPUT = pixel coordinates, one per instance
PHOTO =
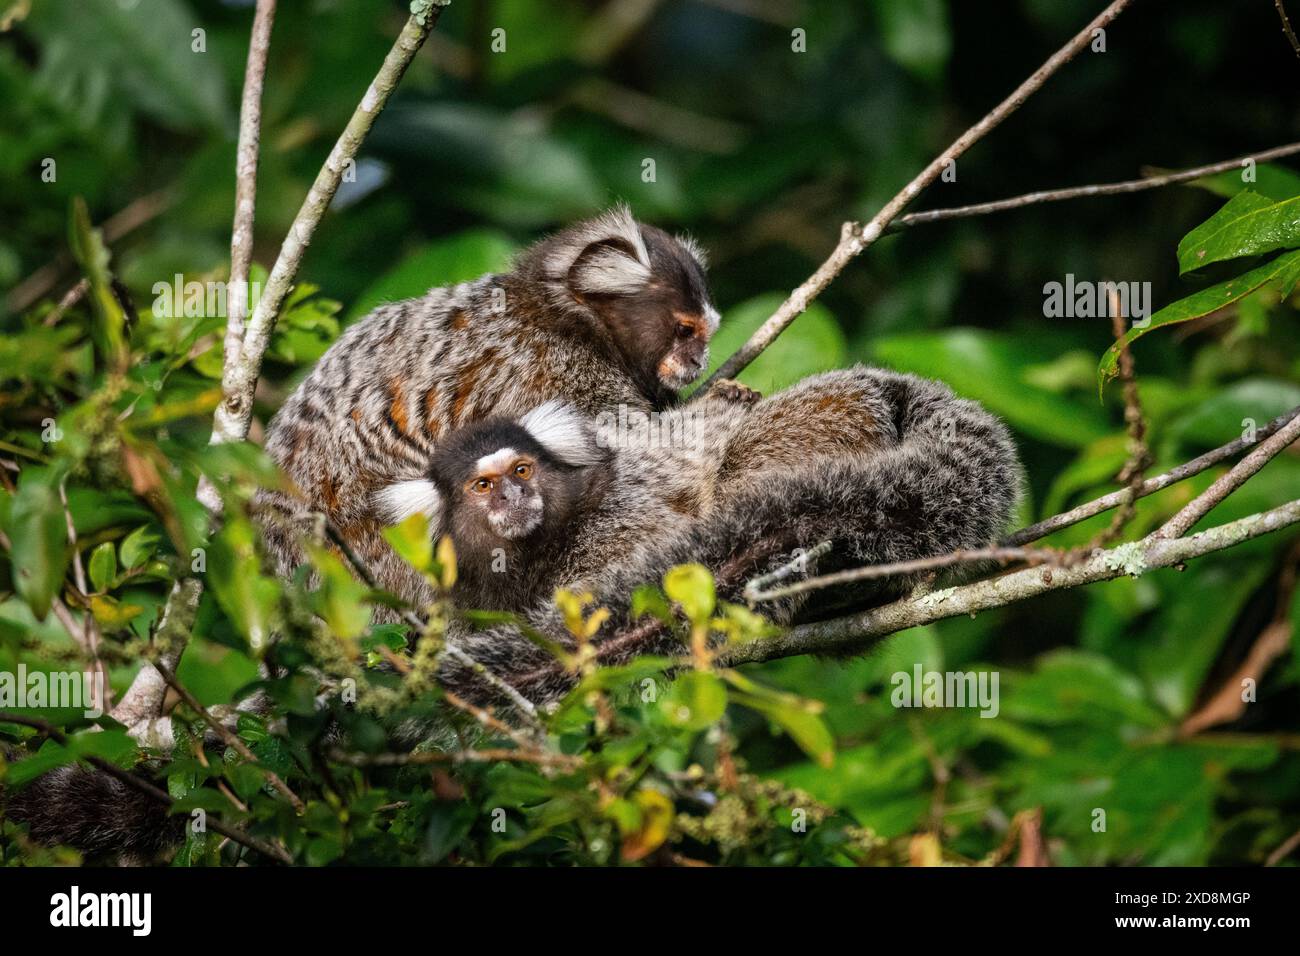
(505, 493)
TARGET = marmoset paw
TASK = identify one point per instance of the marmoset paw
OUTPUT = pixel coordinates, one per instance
(732, 391)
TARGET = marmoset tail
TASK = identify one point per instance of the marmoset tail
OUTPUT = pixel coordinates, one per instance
(607, 314)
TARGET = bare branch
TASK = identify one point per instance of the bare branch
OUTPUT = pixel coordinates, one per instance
(854, 239)
(1139, 456)
(875, 571)
(1286, 27)
(1149, 487)
(231, 421)
(250, 128)
(1080, 192)
(856, 630)
(1226, 484)
(420, 757)
(239, 379)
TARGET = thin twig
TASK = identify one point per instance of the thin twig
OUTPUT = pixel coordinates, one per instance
(1287, 847)
(1286, 27)
(90, 635)
(1149, 487)
(1103, 189)
(875, 571)
(144, 786)
(419, 757)
(120, 224)
(797, 565)
(239, 380)
(854, 239)
(233, 416)
(1226, 484)
(250, 126)
(855, 630)
(229, 738)
(1139, 456)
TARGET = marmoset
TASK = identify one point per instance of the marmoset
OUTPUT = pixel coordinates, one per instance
(884, 467)
(607, 314)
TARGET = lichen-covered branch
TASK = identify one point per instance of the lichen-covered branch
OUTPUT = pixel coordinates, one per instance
(854, 238)
(856, 630)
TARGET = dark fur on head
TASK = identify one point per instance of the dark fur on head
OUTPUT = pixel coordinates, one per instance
(507, 492)
(644, 289)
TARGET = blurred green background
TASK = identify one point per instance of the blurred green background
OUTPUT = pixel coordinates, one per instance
(761, 153)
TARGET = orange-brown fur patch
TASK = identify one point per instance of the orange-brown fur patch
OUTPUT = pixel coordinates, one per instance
(698, 326)
(397, 411)
(468, 379)
(431, 413)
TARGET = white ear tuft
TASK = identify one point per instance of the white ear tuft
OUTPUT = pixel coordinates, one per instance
(695, 249)
(619, 223)
(621, 266)
(609, 271)
(399, 501)
(563, 431)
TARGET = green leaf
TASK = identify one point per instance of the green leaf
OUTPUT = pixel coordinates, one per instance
(138, 546)
(1226, 414)
(648, 599)
(412, 541)
(340, 599)
(103, 566)
(804, 726)
(145, 50)
(1283, 272)
(696, 700)
(248, 596)
(798, 717)
(39, 536)
(1274, 182)
(1248, 225)
(691, 586)
(87, 244)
